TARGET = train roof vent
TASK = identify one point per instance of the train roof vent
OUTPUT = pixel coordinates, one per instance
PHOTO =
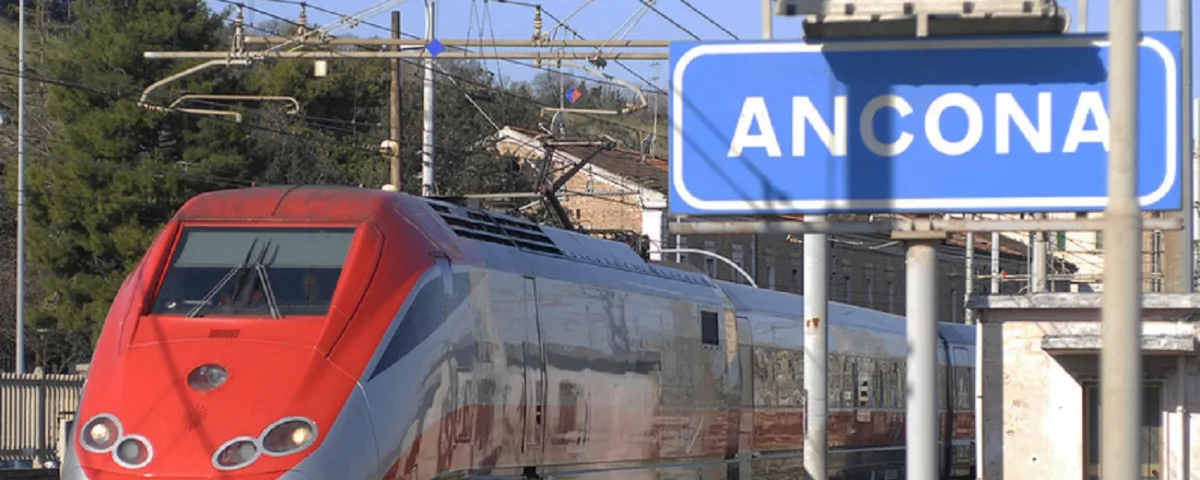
(488, 227)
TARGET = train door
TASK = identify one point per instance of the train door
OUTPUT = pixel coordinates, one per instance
(535, 374)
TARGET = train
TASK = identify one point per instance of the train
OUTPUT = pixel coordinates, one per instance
(320, 332)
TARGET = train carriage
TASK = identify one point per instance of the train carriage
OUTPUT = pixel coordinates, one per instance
(327, 332)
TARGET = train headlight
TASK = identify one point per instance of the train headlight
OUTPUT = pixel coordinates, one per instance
(235, 454)
(133, 452)
(100, 433)
(288, 436)
(207, 377)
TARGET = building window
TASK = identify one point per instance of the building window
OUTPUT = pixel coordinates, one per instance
(797, 284)
(771, 277)
(739, 260)
(891, 296)
(870, 293)
(954, 305)
(1060, 241)
(849, 288)
(710, 266)
(1099, 240)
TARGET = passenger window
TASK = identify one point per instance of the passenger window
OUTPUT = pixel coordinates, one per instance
(709, 329)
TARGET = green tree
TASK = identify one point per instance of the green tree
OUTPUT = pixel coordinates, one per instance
(333, 138)
(115, 171)
(344, 117)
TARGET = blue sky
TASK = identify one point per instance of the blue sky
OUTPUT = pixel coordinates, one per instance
(599, 19)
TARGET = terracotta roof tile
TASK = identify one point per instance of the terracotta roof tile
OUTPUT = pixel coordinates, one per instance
(649, 172)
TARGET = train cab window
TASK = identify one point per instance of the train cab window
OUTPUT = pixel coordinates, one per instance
(265, 271)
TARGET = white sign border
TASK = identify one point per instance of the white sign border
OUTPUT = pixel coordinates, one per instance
(955, 204)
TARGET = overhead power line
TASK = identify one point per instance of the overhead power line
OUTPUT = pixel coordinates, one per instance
(669, 19)
(710, 20)
(462, 45)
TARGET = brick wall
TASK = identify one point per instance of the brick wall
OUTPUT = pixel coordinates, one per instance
(604, 204)
(593, 198)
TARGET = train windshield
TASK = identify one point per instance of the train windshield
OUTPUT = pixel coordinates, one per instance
(268, 271)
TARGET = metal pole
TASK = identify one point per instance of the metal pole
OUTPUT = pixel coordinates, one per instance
(1083, 16)
(678, 242)
(767, 27)
(995, 263)
(1038, 284)
(394, 106)
(1181, 409)
(816, 343)
(969, 288)
(995, 290)
(428, 122)
(20, 333)
(1188, 272)
(921, 414)
(979, 405)
(1121, 312)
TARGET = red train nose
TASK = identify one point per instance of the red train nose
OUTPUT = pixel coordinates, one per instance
(171, 408)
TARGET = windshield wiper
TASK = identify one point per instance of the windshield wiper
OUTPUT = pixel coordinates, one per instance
(221, 284)
(268, 292)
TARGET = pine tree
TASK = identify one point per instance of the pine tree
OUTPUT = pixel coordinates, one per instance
(116, 171)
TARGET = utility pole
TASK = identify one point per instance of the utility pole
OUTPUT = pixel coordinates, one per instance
(20, 333)
(767, 20)
(995, 266)
(1179, 16)
(1121, 311)
(816, 360)
(816, 332)
(1037, 275)
(1189, 147)
(1083, 16)
(969, 288)
(428, 91)
(921, 432)
(394, 107)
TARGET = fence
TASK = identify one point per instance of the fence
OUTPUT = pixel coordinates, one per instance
(31, 406)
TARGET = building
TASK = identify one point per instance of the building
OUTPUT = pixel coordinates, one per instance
(1160, 271)
(621, 189)
(1041, 402)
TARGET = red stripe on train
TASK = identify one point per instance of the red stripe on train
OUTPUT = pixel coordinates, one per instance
(493, 436)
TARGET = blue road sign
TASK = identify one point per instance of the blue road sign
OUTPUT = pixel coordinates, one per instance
(936, 125)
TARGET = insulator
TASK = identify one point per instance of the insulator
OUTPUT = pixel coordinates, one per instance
(537, 23)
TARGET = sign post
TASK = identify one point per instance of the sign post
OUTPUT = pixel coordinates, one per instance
(852, 127)
(1121, 310)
